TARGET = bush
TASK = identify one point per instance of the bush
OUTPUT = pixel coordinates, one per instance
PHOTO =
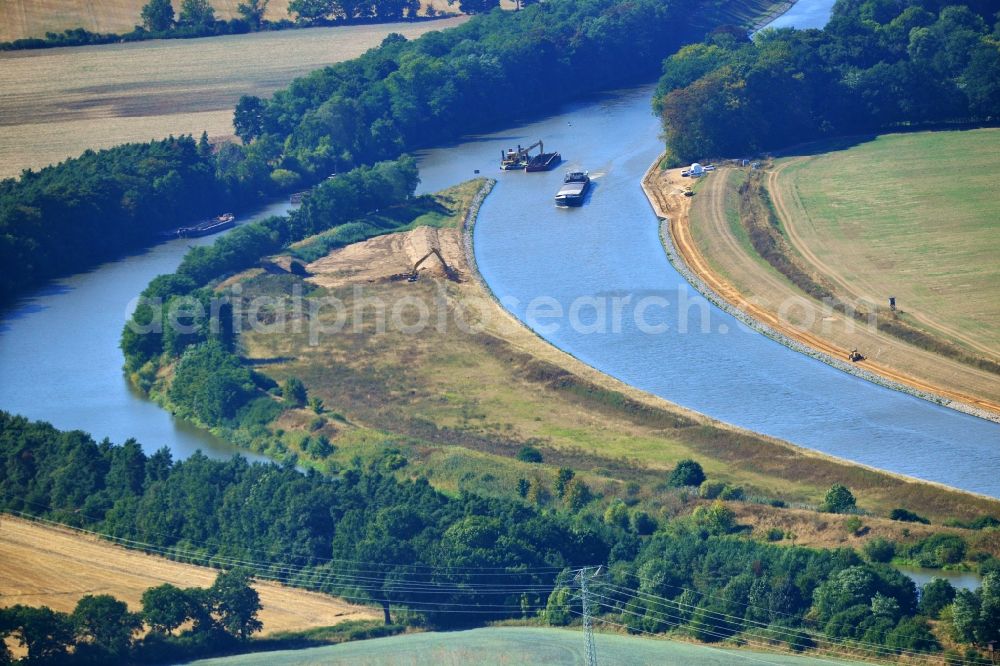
(839, 500)
(853, 525)
(259, 412)
(687, 473)
(529, 454)
(935, 596)
(907, 517)
(711, 489)
(879, 550)
(643, 524)
(210, 384)
(732, 494)
(775, 534)
(617, 514)
(294, 392)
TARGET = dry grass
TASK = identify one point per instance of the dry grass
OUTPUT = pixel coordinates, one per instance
(828, 530)
(54, 567)
(59, 102)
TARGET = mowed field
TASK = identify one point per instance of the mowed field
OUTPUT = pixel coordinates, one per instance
(908, 215)
(59, 102)
(514, 645)
(43, 565)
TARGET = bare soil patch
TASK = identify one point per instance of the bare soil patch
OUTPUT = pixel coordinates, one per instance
(390, 256)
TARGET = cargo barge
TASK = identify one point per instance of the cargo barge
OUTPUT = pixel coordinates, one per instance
(212, 226)
(543, 162)
(574, 189)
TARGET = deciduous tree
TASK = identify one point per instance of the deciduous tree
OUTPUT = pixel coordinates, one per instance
(158, 15)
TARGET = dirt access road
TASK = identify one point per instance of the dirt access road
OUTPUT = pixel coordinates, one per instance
(761, 292)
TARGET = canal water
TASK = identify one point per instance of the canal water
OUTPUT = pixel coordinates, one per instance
(60, 361)
(563, 271)
(804, 14)
(59, 357)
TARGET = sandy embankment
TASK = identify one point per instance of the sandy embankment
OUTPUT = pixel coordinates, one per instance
(665, 192)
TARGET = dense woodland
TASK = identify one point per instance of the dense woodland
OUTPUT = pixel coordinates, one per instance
(878, 64)
(402, 95)
(442, 561)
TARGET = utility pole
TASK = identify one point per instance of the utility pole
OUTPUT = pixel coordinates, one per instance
(588, 629)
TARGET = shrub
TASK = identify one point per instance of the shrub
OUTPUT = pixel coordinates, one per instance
(879, 550)
(259, 412)
(732, 493)
(643, 524)
(687, 473)
(294, 392)
(529, 454)
(839, 500)
(775, 534)
(617, 514)
(711, 489)
(853, 525)
(935, 596)
(907, 516)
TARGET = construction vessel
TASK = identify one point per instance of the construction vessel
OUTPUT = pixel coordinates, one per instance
(521, 158)
(574, 189)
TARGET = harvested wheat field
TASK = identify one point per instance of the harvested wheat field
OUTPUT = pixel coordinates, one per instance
(59, 102)
(909, 215)
(50, 566)
(34, 18)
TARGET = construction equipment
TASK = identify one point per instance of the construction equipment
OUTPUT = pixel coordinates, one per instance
(450, 272)
(518, 159)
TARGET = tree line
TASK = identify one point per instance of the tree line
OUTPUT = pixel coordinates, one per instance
(399, 96)
(877, 65)
(450, 561)
(102, 630)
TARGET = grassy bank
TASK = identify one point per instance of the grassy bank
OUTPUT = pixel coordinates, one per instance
(458, 407)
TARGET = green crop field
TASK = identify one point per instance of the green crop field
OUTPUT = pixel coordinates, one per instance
(908, 215)
(512, 645)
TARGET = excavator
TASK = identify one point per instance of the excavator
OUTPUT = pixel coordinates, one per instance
(518, 159)
(450, 272)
